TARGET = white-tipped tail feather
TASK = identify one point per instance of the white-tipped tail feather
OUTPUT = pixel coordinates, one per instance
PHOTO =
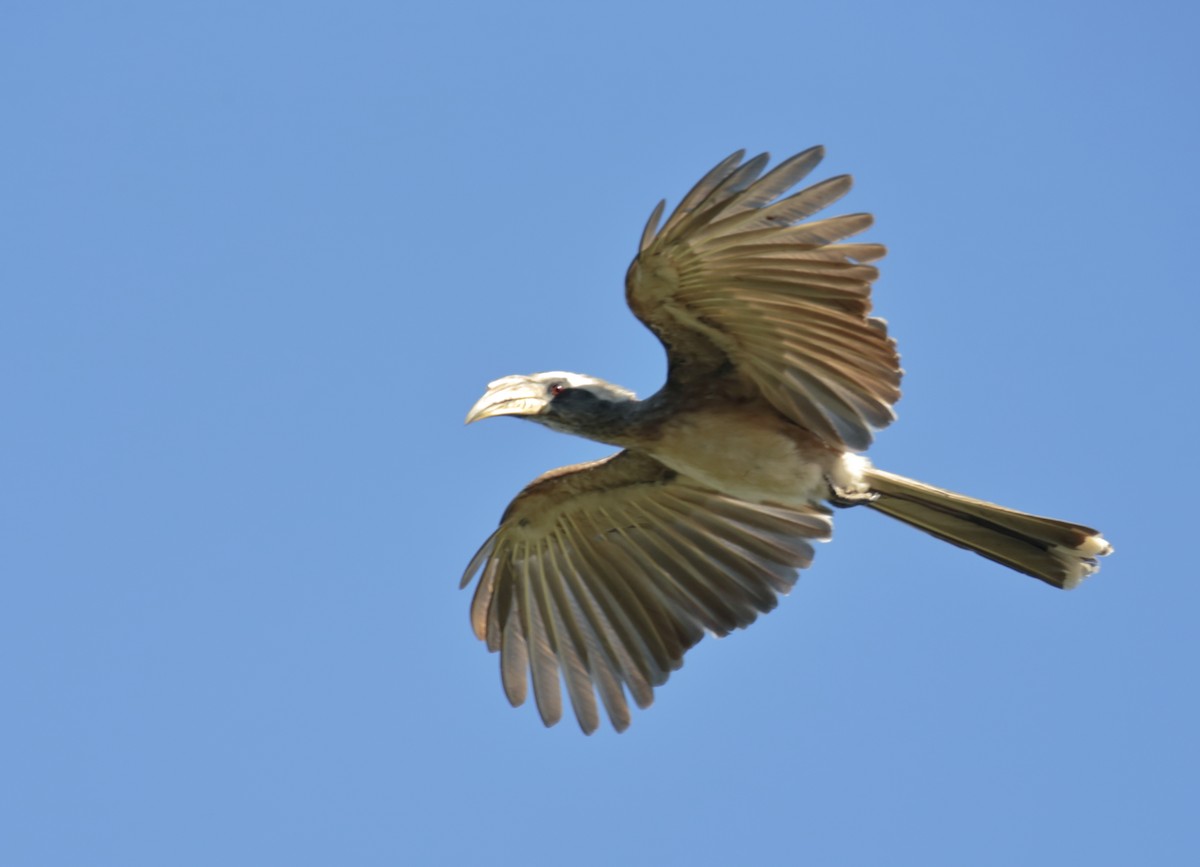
(1057, 552)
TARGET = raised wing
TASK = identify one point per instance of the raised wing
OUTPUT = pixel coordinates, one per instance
(735, 276)
(607, 572)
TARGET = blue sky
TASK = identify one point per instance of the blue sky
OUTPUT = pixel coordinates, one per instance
(260, 258)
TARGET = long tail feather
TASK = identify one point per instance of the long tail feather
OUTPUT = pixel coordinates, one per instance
(1058, 552)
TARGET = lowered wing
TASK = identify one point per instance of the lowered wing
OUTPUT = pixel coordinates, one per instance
(606, 573)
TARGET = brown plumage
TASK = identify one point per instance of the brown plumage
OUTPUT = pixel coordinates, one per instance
(602, 575)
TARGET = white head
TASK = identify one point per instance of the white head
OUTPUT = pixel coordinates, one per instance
(570, 402)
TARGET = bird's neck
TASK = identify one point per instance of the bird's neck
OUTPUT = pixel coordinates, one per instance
(619, 423)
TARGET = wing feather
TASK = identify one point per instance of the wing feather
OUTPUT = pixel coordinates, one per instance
(652, 224)
(542, 665)
(784, 212)
(758, 582)
(514, 662)
(703, 188)
(777, 181)
(600, 643)
(483, 615)
(563, 629)
(658, 643)
(672, 590)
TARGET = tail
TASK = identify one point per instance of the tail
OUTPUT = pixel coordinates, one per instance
(1057, 552)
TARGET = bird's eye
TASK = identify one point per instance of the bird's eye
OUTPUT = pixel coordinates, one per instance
(557, 389)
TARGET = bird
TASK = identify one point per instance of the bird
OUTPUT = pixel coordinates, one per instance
(602, 575)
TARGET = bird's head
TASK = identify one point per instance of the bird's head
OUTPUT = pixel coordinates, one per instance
(568, 402)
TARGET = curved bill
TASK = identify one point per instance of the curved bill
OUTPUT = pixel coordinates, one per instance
(512, 395)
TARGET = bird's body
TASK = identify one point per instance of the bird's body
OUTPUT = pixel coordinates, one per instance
(748, 451)
(605, 573)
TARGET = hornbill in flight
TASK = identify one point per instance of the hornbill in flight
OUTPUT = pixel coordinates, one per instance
(606, 573)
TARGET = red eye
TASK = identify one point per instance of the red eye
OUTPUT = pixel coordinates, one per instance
(557, 389)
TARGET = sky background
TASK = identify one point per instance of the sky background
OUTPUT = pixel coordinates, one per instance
(258, 259)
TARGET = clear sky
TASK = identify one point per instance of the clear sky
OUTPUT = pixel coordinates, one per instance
(258, 259)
